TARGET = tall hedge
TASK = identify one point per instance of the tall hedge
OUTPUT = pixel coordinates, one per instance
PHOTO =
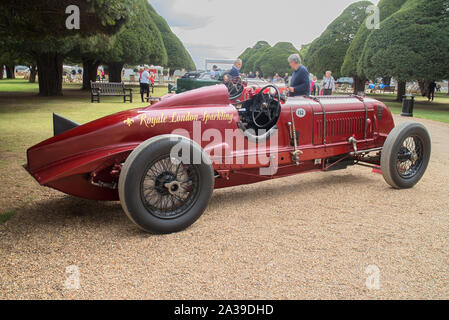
(351, 65)
(178, 56)
(137, 42)
(275, 59)
(251, 55)
(412, 44)
(328, 51)
(39, 32)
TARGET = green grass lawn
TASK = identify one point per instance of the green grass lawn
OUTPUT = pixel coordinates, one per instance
(26, 118)
(437, 110)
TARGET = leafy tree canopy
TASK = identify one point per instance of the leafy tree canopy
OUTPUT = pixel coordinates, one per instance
(47, 18)
(304, 50)
(275, 59)
(328, 51)
(139, 40)
(352, 58)
(178, 56)
(251, 55)
(412, 44)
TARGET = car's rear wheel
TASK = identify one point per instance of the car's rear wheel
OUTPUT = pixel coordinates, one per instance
(165, 191)
(406, 155)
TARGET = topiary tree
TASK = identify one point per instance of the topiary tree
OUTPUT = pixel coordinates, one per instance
(412, 44)
(178, 56)
(251, 55)
(351, 65)
(304, 50)
(96, 50)
(328, 51)
(245, 57)
(137, 42)
(275, 59)
(48, 43)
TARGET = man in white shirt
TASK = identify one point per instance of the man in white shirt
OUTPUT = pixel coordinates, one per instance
(328, 84)
(145, 83)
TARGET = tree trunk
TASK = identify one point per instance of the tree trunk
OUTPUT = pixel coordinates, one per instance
(115, 72)
(89, 73)
(1, 71)
(50, 73)
(10, 74)
(423, 85)
(33, 73)
(401, 90)
(359, 85)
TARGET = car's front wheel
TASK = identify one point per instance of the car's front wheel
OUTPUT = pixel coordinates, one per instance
(166, 184)
(406, 155)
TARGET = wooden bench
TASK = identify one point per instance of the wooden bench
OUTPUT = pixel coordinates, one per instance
(110, 89)
(389, 89)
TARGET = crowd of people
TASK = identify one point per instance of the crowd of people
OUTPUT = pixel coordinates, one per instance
(299, 83)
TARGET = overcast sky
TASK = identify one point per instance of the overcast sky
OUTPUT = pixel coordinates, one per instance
(224, 28)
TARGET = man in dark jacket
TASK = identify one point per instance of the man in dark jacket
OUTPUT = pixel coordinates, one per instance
(431, 90)
(235, 71)
(300, 82)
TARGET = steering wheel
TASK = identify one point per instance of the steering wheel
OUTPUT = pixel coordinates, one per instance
(235, 87)
(269, 107)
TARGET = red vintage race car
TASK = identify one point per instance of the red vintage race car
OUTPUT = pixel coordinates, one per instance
(164, 161)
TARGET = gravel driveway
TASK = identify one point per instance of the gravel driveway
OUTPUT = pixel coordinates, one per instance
(313, 236)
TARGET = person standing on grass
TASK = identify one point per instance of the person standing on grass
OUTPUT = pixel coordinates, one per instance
(431, 91)
(328, 84)
(152, 79)
(300, 82)
(314, 86)
(145, 83)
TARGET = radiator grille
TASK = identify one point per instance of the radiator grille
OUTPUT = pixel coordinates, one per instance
(339, 129)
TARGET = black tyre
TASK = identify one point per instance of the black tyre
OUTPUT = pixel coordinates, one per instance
(406, 155)
(162, 192)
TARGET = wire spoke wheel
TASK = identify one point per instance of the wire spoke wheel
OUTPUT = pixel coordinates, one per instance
(410, 157)
(169, 187)
(162, 191)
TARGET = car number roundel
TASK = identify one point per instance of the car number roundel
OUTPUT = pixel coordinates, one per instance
(300, 113)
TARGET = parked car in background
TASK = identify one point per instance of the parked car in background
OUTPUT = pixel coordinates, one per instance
(345, 80)
(195, 80)
(238, 90)
(22, 69)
